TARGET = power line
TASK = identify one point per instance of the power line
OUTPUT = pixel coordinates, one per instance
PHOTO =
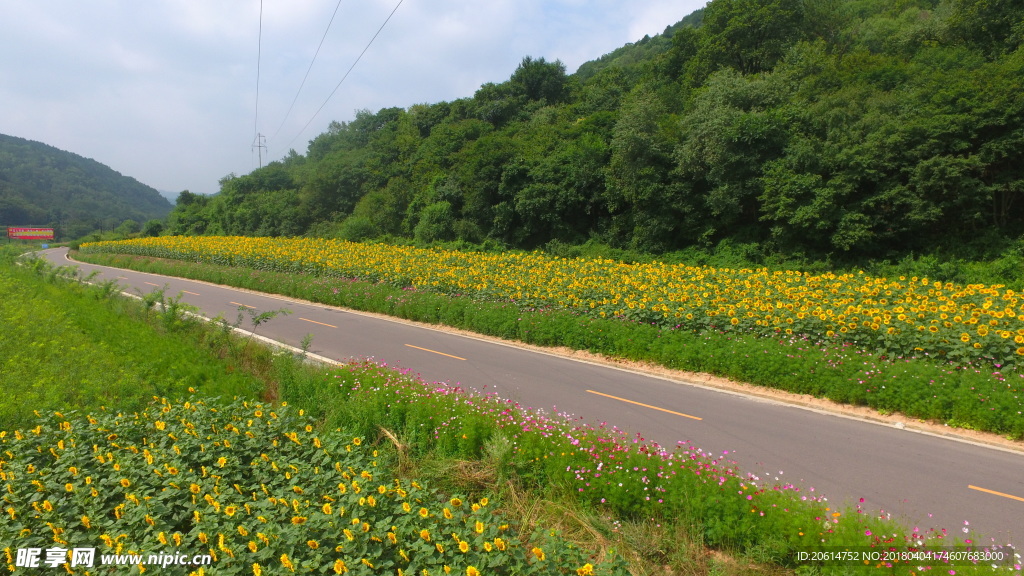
(346, 74)
(303, 83)
(259, 56)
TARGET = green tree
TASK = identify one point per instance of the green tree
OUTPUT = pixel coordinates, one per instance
(152, 228)
(189, 215)
(386, 208)
(748, 36)
(537, 79)
(736, 125)
(644, 199)
(357, 229)
(436, 223)
(334, 184)
(995, 26)
(128, 227)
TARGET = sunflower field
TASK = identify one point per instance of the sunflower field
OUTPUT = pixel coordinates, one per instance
(245, 488)
(897, 318)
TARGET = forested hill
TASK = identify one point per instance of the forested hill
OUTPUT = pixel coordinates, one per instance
(841, 129)
(43, 186)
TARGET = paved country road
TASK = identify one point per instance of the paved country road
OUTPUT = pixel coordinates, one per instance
(924, 480)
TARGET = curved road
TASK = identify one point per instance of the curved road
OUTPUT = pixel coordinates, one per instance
(924, 480)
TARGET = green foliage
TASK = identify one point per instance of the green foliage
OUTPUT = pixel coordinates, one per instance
(385, 209)
(636, 54)
(540, 80)
(995, 26)
(357, 228)
(152, 228)
(436, 222)
(649, 207)
(749, 36)
(189, 215)
(61, 333)
(260, 490)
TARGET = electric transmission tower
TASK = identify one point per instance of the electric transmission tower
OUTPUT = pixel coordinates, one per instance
(260, 144)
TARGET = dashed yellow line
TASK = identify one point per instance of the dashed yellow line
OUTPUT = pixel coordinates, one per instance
(240, 304)
(645, 405)
(192, 293)
(987, 491)
(434, 351)
(320, 323)
(150, 283)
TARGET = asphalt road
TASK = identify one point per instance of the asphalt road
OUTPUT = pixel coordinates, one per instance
(926, 481)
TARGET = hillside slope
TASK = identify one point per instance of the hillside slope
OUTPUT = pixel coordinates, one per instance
(45, 186)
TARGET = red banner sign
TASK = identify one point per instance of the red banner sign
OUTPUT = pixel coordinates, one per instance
(30, 233)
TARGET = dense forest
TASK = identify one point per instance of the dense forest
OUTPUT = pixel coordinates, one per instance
(841, 130)
(43, 186)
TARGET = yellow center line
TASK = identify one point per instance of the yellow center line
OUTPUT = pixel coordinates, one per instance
(150, 283)
(240, 304)
(986, 490)
(320, 323)
(644, 405)
(121, 277)
(434, 351)
(192, 293)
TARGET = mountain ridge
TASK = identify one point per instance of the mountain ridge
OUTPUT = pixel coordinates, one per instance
(43, 185)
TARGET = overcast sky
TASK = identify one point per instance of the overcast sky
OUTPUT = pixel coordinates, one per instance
(165, 91)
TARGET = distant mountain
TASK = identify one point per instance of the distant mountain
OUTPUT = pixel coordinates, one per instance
(44, 186)
(171, 196)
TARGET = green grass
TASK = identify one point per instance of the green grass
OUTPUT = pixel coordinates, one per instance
(65, 344)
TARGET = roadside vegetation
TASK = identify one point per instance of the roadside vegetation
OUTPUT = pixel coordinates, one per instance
(420, 475)
(57, 333)
(930, 350)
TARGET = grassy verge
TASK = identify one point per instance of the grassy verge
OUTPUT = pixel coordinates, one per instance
(65, 344)
(970, 396)
(213, 477)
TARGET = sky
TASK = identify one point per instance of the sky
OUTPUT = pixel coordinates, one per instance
(174, 92)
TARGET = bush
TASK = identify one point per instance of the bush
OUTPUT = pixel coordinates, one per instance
(436, 223)
(357, 229)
